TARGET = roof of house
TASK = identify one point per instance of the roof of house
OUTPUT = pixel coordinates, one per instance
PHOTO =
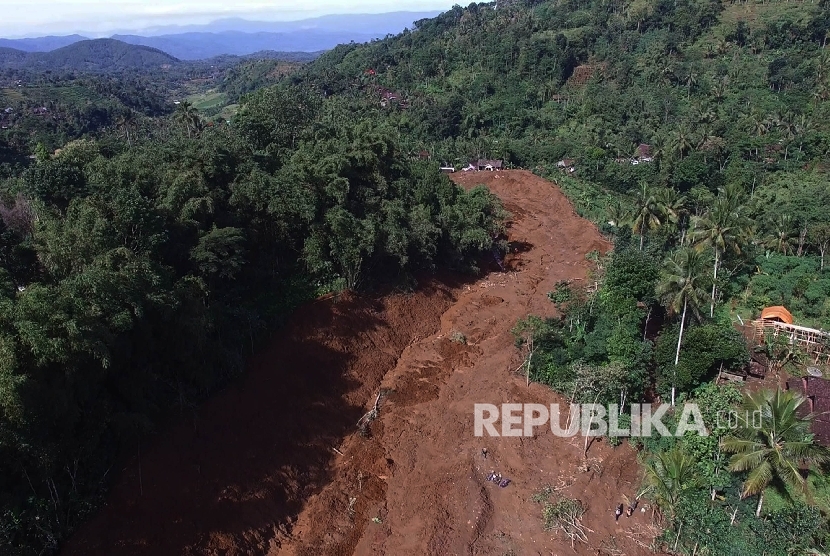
(777, 313)
(644, 150)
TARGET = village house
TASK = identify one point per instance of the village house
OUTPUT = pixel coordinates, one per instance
(566, 165)
(641, 156)
(388, 98)
(491, 165)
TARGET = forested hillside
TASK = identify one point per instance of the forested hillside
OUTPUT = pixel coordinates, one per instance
(642, 103)
(697, 134)
(94, 56)
(137, 275)
(54, 112)
(138, 265)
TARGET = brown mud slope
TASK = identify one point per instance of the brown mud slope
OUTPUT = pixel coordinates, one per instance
(275, 466)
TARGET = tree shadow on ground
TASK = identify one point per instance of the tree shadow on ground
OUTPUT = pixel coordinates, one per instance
(242, 468)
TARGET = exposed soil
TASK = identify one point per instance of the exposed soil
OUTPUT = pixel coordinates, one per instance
(276, 465)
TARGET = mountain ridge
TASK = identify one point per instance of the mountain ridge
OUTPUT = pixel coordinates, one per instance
(93, 55)
(240, 37)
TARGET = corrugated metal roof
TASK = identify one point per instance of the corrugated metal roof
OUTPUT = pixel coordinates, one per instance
(777, 313)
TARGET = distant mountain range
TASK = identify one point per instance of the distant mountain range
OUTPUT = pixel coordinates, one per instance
(98, 56)
(241, 37)
(198, 46)
(40, 44)
(378, 25)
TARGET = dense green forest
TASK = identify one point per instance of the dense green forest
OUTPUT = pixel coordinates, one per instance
(54, 106)
(137, 274)
(139, 263)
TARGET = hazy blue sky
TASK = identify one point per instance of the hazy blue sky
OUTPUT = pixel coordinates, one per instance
(44, 17)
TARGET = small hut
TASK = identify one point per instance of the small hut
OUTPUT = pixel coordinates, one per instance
(777, 314)
(778, 321)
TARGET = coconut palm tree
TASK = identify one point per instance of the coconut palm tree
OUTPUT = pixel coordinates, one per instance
(759, 123)
(721, 229)
(671, 206)
(188, 116)
(783, 234)
(773, 444)
(720, 89)
(680, 290)
(647, 215)
(803, 126)
(667, 476)
(618, 215)
(681, 140)
(691, 80)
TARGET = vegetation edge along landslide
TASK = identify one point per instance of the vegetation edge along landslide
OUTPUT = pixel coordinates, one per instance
(139, 261)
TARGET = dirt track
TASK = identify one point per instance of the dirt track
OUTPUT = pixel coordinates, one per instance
(275, 466)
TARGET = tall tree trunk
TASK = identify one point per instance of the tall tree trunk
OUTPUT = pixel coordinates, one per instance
(714, 283)
(642, 236)
(760, 503)
(802, 237)
(677, 353)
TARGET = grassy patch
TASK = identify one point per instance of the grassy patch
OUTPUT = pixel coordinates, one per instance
(774, 500)
(209, 101)
(10, 96)
(758, 14)
(229, 111)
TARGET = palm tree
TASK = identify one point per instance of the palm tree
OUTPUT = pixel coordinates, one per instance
(618, 215)
(722, 229)
(647, 213)
(822, 67)
(691, 80)
(681, 140)
(773, 444)
(788, 125)
(667, 476)
(803, 126)
(671, 206)
(188, 116)
(759, 124)
(783, 234)
(821, 93)
(720, 89)
(680, 289)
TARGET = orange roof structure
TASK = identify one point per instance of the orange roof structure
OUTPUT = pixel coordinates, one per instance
(778, 313)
